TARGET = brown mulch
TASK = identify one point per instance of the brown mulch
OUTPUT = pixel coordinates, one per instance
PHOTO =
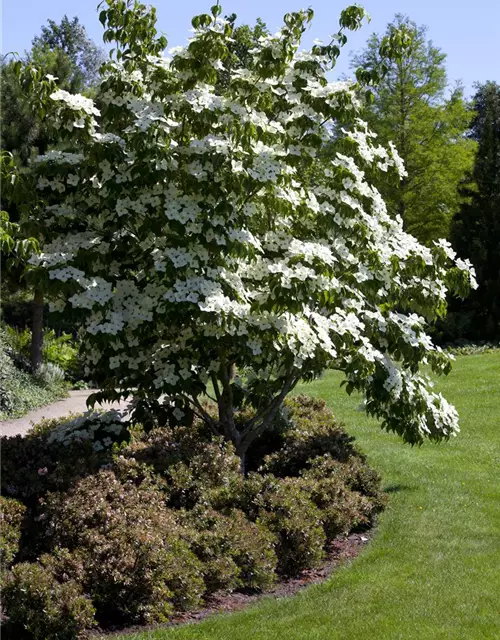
(338, 552)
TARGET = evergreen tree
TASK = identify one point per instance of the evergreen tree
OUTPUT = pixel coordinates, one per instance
(65, 52)
(410, 108)
(475, 231)
(71, 38)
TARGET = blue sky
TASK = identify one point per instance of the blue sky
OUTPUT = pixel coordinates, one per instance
(468, 32)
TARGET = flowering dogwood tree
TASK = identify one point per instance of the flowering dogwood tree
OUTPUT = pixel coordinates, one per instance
(208, 249)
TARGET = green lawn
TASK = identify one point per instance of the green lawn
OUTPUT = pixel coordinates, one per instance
(433, 568)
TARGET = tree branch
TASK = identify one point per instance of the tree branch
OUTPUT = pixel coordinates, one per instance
(259, 423)
(203, 415)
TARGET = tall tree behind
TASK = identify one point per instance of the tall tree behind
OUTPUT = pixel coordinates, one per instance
(65, 52)
(71, 38)
(475, 231)
(244, 39)
(410, 108)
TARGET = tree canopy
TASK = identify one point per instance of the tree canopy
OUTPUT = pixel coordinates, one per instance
(199, 264)
(411, 108)
(475, 230)
(64, 52)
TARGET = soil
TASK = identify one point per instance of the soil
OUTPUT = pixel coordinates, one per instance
(338, 552)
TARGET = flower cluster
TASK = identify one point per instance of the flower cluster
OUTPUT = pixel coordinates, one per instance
(75, 102)
(100, 429)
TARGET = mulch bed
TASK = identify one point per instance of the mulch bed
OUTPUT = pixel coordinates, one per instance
(338, 552)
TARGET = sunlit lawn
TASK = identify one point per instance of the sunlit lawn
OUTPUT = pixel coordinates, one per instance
(433, 569)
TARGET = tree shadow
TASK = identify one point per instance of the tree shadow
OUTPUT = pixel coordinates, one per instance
(396, 488)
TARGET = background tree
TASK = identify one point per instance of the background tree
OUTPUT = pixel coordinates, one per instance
(475, 230)
(410, 108)
(65, 52)
(71, 38)
(244, 39)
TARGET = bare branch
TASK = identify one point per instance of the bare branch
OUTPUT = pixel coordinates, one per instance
(259, 423)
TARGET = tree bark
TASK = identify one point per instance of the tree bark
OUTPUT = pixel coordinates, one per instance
(37, 331)
(242, 456)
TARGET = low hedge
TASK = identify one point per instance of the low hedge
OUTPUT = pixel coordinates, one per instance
(146, 525)
(41, 607)
(12, 514)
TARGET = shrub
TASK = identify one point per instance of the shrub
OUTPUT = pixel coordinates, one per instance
(148, 525)
(19, 390)
(341, 509)
(313, 432)
(26, 462)
(39, 607)
(135, 561)
(466, 348)
(213, 467)
(360, 477)
(49, 374)
(57, 350)
(192, 461)
(235, 552)
(241, 493)
(12, 514)
(253, 551)
(354, 474)
(286, 510)
(54, 454)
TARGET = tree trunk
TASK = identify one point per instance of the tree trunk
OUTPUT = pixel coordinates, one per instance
(242, 456)
(37, 331)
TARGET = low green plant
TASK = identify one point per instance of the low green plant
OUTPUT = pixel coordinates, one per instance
(20, 391)
(12, 514)
(58, 350)
(6, 399)
(135, 562)
(40, 607)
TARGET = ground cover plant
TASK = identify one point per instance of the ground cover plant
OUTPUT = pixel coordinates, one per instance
(431, 569)
(106, 524)
(20, 389)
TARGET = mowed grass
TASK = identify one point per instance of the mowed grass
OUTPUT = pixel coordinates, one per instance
(433, 569)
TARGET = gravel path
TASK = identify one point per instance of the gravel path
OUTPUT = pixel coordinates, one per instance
(76, 403)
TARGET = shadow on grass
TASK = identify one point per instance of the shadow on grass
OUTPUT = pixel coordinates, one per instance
(396, 488)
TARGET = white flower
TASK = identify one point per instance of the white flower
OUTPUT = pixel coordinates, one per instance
(76, 102)
(201, 234)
